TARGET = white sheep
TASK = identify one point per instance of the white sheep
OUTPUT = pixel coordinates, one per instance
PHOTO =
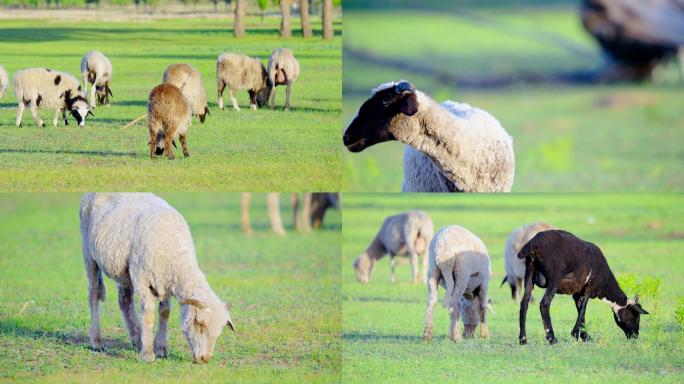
(4, 81)
(96, 69)
(168, 114)
(42, 87)
(142, 243)
(515, 268)
(454, 147)
(241, 72)
(189, 81)
(283, 69)
(407, 233)
(459, 262)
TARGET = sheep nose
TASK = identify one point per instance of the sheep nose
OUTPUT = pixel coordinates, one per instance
(81, 124)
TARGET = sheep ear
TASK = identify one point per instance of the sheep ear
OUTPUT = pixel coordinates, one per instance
(408, 104)
(194, 303)
(404, 86)
(229, 323)
(636, 299)
(637, 309)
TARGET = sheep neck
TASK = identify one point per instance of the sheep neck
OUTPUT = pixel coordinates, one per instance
(612, 292)
(194, 285)
(376, 250)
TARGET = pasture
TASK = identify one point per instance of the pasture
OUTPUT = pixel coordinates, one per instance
(567, 136)
(383, 322)
(284, 293)
(261, 150)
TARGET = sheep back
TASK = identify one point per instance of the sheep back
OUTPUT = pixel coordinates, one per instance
(454, 249)
(411, 226)
(241, 72)
(168, 106)
(97, 67)
(283, 67)
(189, 80)
(45, 87)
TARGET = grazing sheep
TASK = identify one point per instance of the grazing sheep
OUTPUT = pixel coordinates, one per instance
(189, 81)
(42, 87)
(310, 212)
(454, 147)
(283, 69)
(168, 114)
(4, 81)
(143, 244)
(96, 69)
(562, 263)
(515, 268)
(241, 72)
(459, 262)
(407, 233)
(273, 201)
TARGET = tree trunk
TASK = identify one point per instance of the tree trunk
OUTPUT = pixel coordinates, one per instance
(239, 27)
(304, 13)
(285, 27)
(328, 32)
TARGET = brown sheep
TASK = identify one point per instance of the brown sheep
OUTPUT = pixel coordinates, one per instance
(168, 114)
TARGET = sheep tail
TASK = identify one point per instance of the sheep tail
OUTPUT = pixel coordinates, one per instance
(135, 121)
(526, 251)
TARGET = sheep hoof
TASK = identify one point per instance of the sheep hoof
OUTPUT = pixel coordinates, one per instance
(523, 340)
(171, 157)
(456, 337)
(585, 336)
(186, 154)
(484, 331)
(147, 357)
(552, 339)
(160, 351)
(98, 347)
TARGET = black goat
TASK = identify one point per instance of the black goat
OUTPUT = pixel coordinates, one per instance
(562, 263)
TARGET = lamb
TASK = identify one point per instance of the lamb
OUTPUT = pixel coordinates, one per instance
(145, 245)
(459, 262)
(43, 87)
(283, 69)
(562, 263)
(407, 233)
(4, 81)
(240, 72)
(96, 69)
(515, 268)
(168, 114)
(189, 81)
(452, 147)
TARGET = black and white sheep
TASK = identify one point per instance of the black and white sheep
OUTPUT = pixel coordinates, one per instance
(168, 114)
(452, 147)
(562, 263)
(515, 268)
(407, 233)
(145, 245)
(283, 69)
(189, 81)
(241, 72)
(459, 262)
(96, 70)
(4, 81)
(42, 87)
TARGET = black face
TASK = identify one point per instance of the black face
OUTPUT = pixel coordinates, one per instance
(103, 93)
(627, 319)
(371, 124)
(203, 116)
(262, 96)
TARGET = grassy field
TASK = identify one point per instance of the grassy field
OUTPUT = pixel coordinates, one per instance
(567, 138)
(284, 293)
(246, 151)
(383, 322)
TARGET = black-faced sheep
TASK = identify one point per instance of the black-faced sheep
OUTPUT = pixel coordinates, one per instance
(189, 81)
(562, 263)
(407, 233)
(4, 81)
(96, 69)
(459, 262)
(168, 114)
(241, 72)
(515, 268)
(452, 147)
(42, 87)
(145, 245)
(283, 69)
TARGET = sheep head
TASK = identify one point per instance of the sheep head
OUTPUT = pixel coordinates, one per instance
(202, 324)
(103, 92)
(264, 93)
(373, 123)
(363, 266)
(203, 116)
(627, 317)
(78, 107)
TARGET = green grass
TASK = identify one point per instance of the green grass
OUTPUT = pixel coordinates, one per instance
(233, 151)
(601, 138)
(383, 322)
(284, 291)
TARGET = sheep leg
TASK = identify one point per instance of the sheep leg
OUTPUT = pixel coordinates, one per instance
(168, 140)
(127, 306)
(433, 285)
(34, 112)
(220, 87)
(455, 310)
(393, 265)
(233, 100)
(425, 267)
(448, 285)
(147, 324)
(482, 306)
(287, 97)
(84, 75)
(64, 117)
(20, 113)
(184, 144)
(273, 200)
(244, 213)
(581, 301)
(96, 292)
(414, 265)
(92, 94)
(160, 349)
(544, 307)
(252, 100)
(154, 127)
(272, 98)
(529, 285)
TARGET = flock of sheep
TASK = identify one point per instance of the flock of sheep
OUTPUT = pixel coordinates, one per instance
(170, 104)
(535, 254)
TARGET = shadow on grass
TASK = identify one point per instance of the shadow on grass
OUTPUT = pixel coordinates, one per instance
(386, 300)
(280, 108)
(73, 152)
(354, 336)
(113, 347)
